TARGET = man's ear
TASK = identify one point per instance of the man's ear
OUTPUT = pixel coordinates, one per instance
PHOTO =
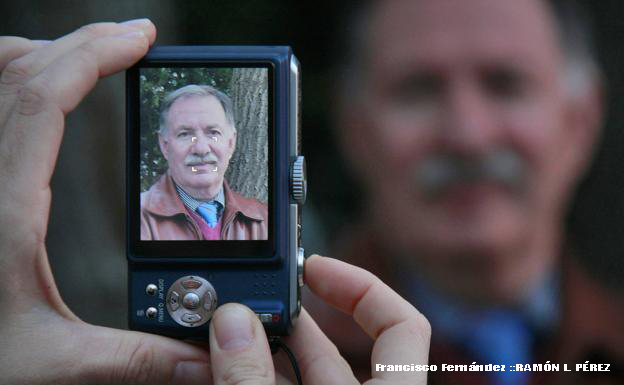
(164, 146)
(232, 143)
(584, 119)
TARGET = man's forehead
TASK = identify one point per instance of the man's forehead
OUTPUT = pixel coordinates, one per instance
(196, 108)
(404, 30)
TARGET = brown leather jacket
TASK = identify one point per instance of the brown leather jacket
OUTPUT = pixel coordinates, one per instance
(164, 216)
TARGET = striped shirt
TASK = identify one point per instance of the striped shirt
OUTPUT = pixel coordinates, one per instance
(192, 203)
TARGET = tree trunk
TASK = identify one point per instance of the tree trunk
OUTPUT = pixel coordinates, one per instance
(248, 170)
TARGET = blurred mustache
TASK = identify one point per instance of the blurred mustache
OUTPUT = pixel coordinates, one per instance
(442, 172)
(198, 160)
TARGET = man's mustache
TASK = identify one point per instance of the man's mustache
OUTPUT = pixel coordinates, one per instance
(442, 172)
(197, 160)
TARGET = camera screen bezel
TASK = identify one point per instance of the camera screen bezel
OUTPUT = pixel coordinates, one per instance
(208, 251)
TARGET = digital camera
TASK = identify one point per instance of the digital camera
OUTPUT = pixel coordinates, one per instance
(215, 184)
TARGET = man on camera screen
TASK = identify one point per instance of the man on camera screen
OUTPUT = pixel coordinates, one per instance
(191, 200)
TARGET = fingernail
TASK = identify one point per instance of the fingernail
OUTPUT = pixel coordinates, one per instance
(191, 373)
(132, 35)
(139, 23)
(233, 327)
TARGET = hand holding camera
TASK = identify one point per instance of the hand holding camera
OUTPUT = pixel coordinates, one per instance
(43, 342)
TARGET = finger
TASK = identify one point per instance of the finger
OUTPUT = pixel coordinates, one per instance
(401, 333)
(58, 351)
(31, 138)
(59, 82)
(14, 47)
(121, 357)
(239, 350)
(20, 70)
(317, 356)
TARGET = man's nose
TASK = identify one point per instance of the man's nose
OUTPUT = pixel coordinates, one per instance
(201, 144)
(469, 127)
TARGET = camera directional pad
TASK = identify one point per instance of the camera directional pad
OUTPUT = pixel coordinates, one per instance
(191, 301)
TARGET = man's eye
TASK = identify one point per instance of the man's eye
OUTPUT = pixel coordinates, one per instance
(418, 89)
(505, 84)
(183, 134)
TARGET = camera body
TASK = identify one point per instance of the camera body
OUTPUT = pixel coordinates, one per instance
(182, 266)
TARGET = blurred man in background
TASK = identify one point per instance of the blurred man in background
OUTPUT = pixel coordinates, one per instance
(470, 123)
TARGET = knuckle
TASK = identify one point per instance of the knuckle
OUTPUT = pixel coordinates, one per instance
(420, 326)
(94, 30)
(86, 53)
(16, 72)
(32, 97)
(140, 365)
(245, 373)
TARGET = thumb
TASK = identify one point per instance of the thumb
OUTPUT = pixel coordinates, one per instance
(125, 357)
(239, 349)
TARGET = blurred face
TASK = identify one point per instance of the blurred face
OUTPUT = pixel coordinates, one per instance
(464, 138)
(198, 144)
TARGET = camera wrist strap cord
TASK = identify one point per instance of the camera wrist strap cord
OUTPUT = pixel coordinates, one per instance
(276, 344)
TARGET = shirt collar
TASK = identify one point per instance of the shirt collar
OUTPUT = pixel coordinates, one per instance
(540, 307)
(193, 203)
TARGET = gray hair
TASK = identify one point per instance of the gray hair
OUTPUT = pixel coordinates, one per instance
(576, 41)
(572, 27)
(195, 90)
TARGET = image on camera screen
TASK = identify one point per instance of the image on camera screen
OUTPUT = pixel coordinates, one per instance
(204, 156)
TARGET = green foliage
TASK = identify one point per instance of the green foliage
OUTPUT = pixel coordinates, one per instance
(156, 83)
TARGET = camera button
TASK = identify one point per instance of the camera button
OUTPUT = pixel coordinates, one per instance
(190, 284)
(191, 318)
(191, 301)
(209, 301)
(300, 266)
(174, 301)
(298, 182)
(151, 312)
(151, 289)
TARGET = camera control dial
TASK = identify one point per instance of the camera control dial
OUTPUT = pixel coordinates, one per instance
(298, 183)
(198, 300)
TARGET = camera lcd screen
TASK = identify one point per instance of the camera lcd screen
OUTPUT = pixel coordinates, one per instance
(204, 155)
